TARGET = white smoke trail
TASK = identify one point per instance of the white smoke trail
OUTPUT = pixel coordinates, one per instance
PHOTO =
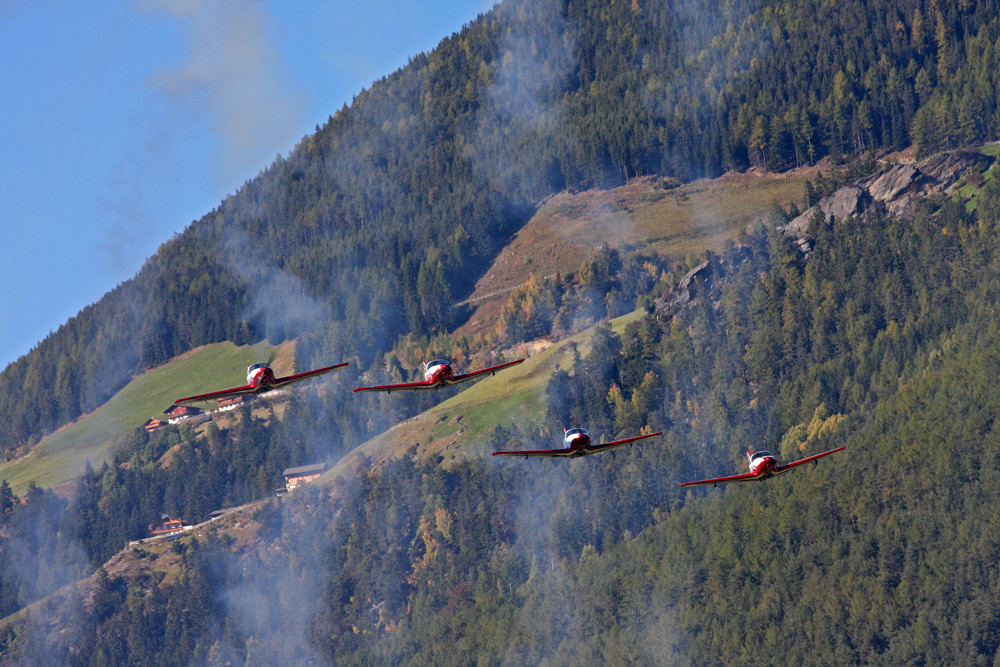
(233, 74)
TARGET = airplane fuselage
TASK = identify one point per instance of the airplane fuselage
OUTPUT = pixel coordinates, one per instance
(576, 439)
(260, 376)
(761, 464)
(438, 372)
(577, 442)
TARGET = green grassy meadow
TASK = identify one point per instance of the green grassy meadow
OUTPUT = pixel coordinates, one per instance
(62, 456)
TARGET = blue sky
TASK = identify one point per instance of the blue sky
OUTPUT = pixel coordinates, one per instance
(122, 122)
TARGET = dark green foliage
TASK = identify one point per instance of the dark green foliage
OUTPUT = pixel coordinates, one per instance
(39, 552)
(881, 554)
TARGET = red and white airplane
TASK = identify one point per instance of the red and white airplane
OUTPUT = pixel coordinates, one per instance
(260, 378)
(437, 374)
(577, 443)
(762, 466)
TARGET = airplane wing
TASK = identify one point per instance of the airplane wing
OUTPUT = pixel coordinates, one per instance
(416, 386)
(619, 443)
(563, 453)
(250, 389)
(222, 393)
(491, 369)
(406, 386)
(551, 453)
(745, 477)
(749, 477)
(289, 379)
(783, 468)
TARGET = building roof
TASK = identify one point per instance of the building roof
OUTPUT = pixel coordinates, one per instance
(164, 520)
(305, 470)
(186, 409)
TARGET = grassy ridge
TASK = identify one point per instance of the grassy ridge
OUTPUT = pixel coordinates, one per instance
(62, 456)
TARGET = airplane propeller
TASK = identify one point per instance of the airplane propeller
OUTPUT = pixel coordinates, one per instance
(272, 353)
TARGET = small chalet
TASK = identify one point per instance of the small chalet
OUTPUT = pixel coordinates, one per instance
(176, 413)
(154, 424)
(230, 402)
(165, 526)
(295, 477)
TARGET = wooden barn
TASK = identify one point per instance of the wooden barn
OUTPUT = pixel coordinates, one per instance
(295, 477)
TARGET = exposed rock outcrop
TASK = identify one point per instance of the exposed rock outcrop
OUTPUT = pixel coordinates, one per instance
(846, 201)
(703, 281)
(671, 302)
(893, 184)
(897, 190)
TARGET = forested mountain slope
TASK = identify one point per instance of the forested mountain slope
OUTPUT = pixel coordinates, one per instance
(883, 340)
(358, 243)
(374, 226)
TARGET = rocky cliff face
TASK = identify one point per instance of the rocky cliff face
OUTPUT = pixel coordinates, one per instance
(897, 190)
(704, 281)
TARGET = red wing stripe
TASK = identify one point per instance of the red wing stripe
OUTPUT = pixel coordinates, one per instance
(408, 386)
(619, 443)
(536, 452)
(303, 376)
(785, 467)
(491, 369)
(745, 477)
(235, 391)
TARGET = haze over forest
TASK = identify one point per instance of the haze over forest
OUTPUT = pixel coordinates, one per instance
(874, 330)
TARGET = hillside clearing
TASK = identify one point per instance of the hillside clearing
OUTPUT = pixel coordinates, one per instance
(676, 222)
